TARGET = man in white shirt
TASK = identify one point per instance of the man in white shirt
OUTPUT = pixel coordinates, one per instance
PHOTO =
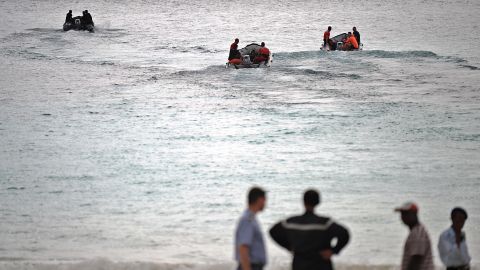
(452, 244)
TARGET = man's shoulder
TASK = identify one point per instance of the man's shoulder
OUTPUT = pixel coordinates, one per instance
(446, 233)
(419, 232)
(310, 220)
(247, 217)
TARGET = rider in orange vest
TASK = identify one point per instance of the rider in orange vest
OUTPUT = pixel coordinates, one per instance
(326, 37)
(350, 43)
(263, 54)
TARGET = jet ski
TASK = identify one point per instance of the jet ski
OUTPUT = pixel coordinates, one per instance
(248, 54)
(77, 25)
(336, 44)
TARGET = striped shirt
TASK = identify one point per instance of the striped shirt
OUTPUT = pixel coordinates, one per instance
(418, 244)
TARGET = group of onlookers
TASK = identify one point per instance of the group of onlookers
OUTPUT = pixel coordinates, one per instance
(309, 238)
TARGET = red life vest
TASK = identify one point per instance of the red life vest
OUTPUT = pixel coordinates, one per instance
(326, 35)
(264, 51)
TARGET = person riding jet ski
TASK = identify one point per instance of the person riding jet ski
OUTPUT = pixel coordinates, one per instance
(263, 54)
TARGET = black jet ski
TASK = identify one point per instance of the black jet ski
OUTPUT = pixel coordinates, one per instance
(76, 24)
(248, 54)
(336, 44)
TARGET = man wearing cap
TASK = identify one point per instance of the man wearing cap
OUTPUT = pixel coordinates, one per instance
(250, 250)
(417, 252)
(452, 244)
(309, 237)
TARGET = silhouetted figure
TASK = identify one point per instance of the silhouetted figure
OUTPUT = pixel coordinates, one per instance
(452, 245)
(88, 18)
(417, 252)
(250, 252)
(69, 17)
(309, 237)
(83, 19)
(356, 34)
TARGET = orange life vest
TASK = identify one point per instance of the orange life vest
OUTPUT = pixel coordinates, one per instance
(352, 40)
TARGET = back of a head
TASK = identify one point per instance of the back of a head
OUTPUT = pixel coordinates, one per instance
(329, 28)
(311, 198)
(254, 194)
(263, 44)
(237, 40)
(354, 28)
(70, 11)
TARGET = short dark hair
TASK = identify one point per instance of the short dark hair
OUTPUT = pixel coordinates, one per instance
(329, 28)
(237, 39)
(458, 210)
(311, 197)
(263, 44)
(254, 194)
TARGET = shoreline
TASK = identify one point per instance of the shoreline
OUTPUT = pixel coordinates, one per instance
(101, 263)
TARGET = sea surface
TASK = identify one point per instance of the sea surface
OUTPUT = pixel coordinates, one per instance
(133, 147)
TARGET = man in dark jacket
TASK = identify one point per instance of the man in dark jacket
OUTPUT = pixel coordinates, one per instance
(356, 34)
(309, 237)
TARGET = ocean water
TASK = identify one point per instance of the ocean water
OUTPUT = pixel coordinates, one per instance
(134, 147)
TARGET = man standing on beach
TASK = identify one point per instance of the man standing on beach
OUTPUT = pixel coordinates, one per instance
(452, 245)
(417, 252)
(309, 237)
(250, 250)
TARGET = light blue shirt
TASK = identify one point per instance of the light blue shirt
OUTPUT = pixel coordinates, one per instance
(249, 233)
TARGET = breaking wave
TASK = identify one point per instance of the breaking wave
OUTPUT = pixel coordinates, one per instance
(400, 54)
